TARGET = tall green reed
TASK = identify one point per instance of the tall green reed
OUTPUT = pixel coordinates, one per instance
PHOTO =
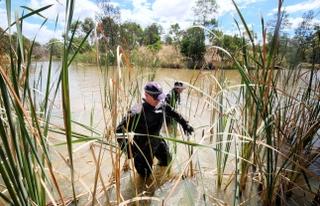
(265, 108)
(24, 151)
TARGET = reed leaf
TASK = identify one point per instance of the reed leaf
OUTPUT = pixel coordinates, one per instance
(8, 5)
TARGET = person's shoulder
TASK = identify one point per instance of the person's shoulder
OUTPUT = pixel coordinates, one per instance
(169, 95)
(136, 109)
(164, 105)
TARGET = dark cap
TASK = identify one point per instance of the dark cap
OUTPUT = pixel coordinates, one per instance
(154, 89)
(179, 85)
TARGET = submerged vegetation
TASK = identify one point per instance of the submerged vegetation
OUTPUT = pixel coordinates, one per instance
(261, 141)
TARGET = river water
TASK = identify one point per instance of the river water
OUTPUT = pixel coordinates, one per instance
(89, 87)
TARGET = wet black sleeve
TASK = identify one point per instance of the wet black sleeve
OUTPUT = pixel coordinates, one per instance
(168, 98)
(169, 111)
(127, 123)
(122, 125)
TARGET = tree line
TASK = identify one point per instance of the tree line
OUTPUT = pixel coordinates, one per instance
(106, 32)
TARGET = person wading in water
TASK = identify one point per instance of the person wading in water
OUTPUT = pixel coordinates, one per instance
(146, 120)
(173, 98)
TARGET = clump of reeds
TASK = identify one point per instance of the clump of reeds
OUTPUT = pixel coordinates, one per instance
(268, 132)
(26, 168)
(279, 120)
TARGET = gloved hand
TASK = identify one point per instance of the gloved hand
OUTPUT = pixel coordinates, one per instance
(187, 129)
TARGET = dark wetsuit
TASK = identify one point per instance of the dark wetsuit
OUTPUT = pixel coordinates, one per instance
(172, 98)
(146, 122)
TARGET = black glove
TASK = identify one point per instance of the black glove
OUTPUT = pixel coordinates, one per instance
(187, 129)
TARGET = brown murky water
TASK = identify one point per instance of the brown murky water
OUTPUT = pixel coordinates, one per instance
(87, 87)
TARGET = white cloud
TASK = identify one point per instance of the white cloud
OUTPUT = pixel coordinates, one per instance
(141, 15)
(43, 35)
(3, 17)
(138, 4)
(178, 9)
(52, 12)
(168, 12)
(164, 12)
(226, 6)
(31, 30)
(83, 9)
(301, 7)
(295, 22)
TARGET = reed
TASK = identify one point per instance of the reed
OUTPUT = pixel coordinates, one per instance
(24, 152)
(267, 107)
(261, 133)
(25, 163)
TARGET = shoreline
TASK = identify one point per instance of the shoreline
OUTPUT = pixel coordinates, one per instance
(179, 66)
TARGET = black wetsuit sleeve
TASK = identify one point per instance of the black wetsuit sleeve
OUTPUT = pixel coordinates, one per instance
(173, 98)
(121, 128)
(188, 130)
(128, 123)
(175, 115)
(168, 98)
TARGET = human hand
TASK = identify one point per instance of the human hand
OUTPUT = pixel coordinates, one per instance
(188, 130)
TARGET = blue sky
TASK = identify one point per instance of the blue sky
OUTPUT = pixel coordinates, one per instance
(164, 12)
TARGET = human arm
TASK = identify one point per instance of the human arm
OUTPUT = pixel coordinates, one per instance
(127, 124)
(169, 111)
(168, 98)
(173, 98)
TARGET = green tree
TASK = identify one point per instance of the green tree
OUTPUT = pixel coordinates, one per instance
(151, 36)
(85, 47)
(193, 46)
(108, 28)
(205, 11)
(233, 44)
(304, 35)
(75, 27)
(176, 33)
(315, 55)
(80, 30)
(131, 35)
(88, 25)
(56, 47)
(285, 49)
(168, 40)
